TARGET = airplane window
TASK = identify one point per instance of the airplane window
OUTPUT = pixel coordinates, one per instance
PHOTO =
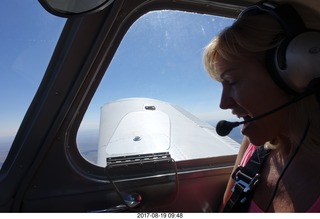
(26, 48)
(158, 64)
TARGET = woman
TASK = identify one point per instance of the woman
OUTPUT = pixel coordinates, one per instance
(290, 175)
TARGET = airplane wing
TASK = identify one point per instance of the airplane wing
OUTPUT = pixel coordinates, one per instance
(143, 126)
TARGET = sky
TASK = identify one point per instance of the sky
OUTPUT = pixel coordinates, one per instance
(27, 43)
(160, 57)
(28, 37)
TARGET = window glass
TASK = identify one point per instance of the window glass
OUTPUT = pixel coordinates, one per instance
(160, 58)
(28, 37)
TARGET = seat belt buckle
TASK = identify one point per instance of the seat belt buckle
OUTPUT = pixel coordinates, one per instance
(245, 182)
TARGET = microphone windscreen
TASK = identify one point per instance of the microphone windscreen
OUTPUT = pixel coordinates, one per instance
(223, 127)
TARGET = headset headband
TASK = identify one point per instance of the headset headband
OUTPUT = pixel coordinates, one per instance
(285, 14)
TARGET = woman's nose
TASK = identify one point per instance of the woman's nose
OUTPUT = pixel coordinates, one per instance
(226, 100)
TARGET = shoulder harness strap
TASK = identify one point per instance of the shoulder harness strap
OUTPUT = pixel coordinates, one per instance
(246, 179)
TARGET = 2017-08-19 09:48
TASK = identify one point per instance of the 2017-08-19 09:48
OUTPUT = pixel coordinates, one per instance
(159, 215)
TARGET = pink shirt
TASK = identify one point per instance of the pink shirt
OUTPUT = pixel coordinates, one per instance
(253, 207)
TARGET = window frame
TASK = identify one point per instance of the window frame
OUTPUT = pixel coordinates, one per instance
(44, 152)
(107, 52)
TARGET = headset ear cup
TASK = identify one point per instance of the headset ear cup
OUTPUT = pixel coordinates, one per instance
(302, 57)
(275, 61)
(295, 63)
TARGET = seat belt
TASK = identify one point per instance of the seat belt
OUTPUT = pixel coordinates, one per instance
(246, 178)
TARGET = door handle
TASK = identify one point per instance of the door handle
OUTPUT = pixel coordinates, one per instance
(131, 200)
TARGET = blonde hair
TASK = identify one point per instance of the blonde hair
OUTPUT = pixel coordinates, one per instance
(256, 35)
(245, 36)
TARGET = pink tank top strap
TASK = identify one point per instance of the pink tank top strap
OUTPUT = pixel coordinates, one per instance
(248, 154)
(315, 207)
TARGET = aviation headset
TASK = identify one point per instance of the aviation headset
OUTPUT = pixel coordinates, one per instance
(295, 63)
